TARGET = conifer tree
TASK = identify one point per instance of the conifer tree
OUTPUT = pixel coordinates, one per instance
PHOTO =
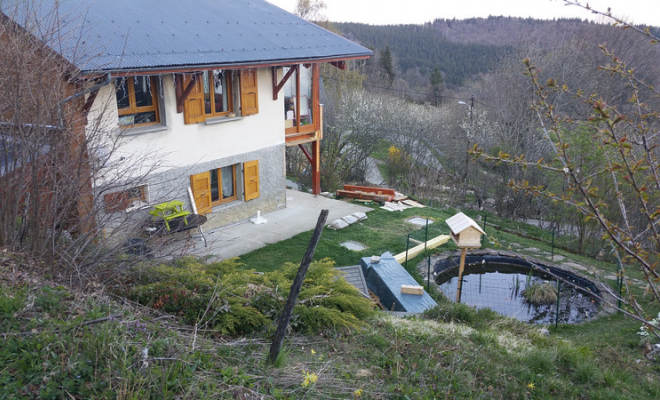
(387, 65)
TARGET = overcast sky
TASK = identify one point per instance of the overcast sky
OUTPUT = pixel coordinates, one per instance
(383, 12)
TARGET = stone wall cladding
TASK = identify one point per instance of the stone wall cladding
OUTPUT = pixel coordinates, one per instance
(173, 185)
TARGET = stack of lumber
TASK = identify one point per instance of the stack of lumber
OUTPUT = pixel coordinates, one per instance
(377, 194)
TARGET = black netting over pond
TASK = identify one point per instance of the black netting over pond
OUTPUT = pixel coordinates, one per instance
(504, 283)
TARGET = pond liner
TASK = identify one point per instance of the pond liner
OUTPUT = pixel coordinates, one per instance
(448, 268)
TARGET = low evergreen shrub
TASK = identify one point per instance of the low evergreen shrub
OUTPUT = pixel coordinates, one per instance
(233, 300)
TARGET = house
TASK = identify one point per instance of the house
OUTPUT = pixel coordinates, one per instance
(200, 96)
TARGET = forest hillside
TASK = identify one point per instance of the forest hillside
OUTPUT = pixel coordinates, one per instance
(463, 49)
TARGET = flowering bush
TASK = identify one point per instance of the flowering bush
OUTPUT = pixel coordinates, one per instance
(644, 329)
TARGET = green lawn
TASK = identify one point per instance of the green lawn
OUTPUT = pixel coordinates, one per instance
(382, 231)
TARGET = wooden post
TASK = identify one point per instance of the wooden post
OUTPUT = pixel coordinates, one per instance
(296, 286)
(460, 275)
(316, 167)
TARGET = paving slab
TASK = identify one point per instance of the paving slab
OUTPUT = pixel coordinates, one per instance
(300, 215)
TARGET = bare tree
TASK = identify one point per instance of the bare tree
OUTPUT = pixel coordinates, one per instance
(53, 158)
(310, 9)
(604, 157)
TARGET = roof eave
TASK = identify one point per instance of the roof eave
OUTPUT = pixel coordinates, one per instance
(235, 65)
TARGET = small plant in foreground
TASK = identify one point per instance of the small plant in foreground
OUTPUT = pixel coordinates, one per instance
(309, 379)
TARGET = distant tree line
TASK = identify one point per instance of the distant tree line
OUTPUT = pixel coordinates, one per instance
(420, 47)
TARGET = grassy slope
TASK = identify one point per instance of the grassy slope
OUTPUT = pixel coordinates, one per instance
(49, 350)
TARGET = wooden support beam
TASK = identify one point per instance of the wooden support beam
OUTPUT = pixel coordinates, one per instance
(278, 86)
(306, 153)
(316, 167)
(184, 95)
(461, 268)
(88, 104)
(339, 64)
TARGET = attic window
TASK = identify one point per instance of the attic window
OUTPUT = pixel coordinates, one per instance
(137, 101)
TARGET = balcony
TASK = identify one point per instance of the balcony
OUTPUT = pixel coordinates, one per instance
(305, 133)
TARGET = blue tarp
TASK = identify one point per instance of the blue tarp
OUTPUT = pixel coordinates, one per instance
(385, 278)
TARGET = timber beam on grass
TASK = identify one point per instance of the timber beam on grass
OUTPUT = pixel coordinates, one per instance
(380, 198)
(296, 287)
(417, 250)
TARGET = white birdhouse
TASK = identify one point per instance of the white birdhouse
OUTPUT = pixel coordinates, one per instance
(464, 231)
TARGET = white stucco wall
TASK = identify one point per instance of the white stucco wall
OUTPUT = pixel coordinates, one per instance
(178, 145)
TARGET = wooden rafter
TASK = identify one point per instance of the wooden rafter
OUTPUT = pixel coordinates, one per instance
(278, 86)
(339, 64)
(182, 94)
(88, 104)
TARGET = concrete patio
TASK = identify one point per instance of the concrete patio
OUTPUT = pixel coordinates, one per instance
(300, 215)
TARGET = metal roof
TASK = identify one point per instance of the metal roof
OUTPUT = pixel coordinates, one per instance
(129, 35)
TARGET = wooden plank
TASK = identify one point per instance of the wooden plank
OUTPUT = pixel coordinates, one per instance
(412, 289)
(413, 203)
(369, 189)
(417, 250)
(361, 195)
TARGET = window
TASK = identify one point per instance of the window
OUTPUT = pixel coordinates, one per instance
(217, 93)
(212, 94)
(214, 187)
(300, 98)
(218, 186)
(223, 185)
(128, 199)
(137, 101)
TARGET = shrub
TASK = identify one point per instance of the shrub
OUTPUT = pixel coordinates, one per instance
(236, 301)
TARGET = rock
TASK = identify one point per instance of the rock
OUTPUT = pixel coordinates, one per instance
(363, 373)
(544, 332)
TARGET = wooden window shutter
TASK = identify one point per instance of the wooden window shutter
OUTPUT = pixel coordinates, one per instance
(201, 188)
(251, 179)
(249, 92)
(193, 107)
(117, 201)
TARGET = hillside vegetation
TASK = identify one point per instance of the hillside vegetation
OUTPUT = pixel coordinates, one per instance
(68, 342)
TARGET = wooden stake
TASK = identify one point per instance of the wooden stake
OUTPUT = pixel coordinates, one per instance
(296, 286)
(460, 275)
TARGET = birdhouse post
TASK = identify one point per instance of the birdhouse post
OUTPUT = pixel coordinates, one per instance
(467, 235)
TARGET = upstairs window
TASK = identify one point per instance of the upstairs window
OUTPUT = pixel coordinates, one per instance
(300, 98)
(218, 101)
(137, 101)
(212, 95)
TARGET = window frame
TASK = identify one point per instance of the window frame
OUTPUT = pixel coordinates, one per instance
(124, 200)
(315, 102)
(133, 109)
(218, 172)
(230, 93)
